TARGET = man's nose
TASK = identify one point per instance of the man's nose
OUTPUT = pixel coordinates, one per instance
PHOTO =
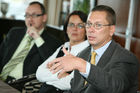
(30, 17)
(91, 29)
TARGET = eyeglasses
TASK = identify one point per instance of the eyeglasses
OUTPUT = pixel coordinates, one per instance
(33, 15)
(97, 26)
(80, 25)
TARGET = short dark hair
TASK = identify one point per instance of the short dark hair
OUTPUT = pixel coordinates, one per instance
(41, 6)
(111, 16)
(82, 16)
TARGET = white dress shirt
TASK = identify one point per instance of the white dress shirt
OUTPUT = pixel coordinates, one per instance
(43, 74)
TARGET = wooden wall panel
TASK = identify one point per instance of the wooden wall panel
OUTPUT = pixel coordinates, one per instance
(137, 33)
(121, 8)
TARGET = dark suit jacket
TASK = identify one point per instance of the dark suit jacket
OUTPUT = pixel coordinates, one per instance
(36, 55)
(116, 72)
(1, 38)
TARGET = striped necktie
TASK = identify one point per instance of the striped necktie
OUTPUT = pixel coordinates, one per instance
(92, 60)
(16, 60)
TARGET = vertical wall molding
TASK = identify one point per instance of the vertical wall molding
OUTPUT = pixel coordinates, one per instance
(54, 8)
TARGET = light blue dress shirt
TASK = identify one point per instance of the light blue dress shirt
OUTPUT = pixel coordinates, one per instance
(99, 52)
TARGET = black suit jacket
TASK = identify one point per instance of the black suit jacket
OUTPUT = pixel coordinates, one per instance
(36, 55)
(116, 72)
(1, 38)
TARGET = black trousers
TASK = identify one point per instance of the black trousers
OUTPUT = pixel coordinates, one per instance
(45, 88)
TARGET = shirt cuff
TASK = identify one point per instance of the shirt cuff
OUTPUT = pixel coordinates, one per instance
(87, 70)
(39, 41)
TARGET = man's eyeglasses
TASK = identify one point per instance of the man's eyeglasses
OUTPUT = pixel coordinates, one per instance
(80, 25)
(32, 15)
(97, 26)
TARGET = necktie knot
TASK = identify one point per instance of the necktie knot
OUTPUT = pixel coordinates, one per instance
(29, 39)
(93, 55)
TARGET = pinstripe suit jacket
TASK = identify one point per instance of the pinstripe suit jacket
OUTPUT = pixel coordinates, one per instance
(116, 72)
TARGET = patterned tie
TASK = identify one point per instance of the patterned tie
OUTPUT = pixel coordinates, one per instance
(16, 60)
(92, 60)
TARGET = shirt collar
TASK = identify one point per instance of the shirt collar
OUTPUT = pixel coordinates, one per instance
(101, 50)
(40, 32)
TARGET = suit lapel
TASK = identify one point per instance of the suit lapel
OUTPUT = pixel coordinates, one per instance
(85, 54)
(18, 36)
(107, 55)
(19, 39)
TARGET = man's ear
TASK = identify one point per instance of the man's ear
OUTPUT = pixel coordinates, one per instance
(45, 17)
(112, 30)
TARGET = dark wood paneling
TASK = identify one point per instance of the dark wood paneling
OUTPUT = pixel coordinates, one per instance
(137, 33)
(121, 8)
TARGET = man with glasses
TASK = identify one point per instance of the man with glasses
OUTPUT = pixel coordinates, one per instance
(112, 69)
(24, 49)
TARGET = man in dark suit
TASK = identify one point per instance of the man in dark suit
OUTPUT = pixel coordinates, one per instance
(41, 46)
(115, 69)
